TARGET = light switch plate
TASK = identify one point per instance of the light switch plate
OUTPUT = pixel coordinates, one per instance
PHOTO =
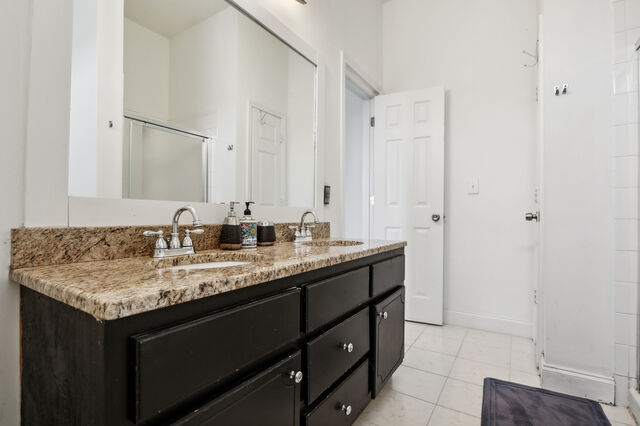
(473, 187)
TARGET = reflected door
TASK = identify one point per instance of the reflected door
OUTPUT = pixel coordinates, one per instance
(409, 192)
(268, 153)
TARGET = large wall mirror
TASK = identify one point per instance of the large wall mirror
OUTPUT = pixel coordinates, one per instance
(214, 108)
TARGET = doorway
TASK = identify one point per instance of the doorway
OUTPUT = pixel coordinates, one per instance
(357, 171)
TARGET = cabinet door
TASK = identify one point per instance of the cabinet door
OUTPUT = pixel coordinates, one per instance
(388, 338)
(272, 398)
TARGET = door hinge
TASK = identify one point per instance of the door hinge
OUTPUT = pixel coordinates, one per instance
(372, 121)
(535, 297)
(372, 200)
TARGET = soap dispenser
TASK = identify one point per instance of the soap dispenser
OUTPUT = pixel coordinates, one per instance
(231, 235)
(249, 228)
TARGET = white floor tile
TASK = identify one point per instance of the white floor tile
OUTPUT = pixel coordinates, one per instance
(449, 331)
(477, 351)
(394, 408)
(475, 372)
(417, 383)
(527, 379)
(524, 363)
(411, 332)
(462, 396)
(618, 415)
(487, 338)
(522, 345)
(445, 417)
(433, 362)
(440, 344)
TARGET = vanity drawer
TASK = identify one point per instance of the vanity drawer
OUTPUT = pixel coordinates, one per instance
(328, 299)
(328, 355)
(178, 362)
(272, 397)
(352, 394)
(386, 275)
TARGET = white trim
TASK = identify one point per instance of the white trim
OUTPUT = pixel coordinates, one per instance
(634, 403)
(489, 323)
(121, 212)
(578, 383)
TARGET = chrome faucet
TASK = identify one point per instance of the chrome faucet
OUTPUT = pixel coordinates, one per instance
(175, 248)
(303, 232)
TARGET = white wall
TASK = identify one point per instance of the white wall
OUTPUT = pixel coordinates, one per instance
(577, 221)
(110, 98)
(14, 45)
(146, 72)
(84, 100)
(300, 120)
(473, 49)
(627, 249)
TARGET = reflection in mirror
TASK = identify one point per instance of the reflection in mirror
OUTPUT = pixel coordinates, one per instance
(215, 108)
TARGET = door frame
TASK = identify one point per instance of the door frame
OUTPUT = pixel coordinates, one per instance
(350, 73)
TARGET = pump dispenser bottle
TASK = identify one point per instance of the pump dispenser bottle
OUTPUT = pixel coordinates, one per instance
(231, 235)
(249, 228)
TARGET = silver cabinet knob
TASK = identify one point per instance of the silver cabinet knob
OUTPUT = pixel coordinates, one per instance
(296, 376)
(347, 347)
(346, 409)
(435, 217)
(383, 315)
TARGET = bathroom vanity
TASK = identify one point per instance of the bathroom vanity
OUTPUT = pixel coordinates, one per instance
(303, 334)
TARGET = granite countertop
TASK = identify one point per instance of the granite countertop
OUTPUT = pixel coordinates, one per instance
(112, 289)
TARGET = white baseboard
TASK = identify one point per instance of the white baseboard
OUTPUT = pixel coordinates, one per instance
(634, 403)
(489, 323)
(577, 383)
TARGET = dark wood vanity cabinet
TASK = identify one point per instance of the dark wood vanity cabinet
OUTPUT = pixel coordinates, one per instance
(310, 349)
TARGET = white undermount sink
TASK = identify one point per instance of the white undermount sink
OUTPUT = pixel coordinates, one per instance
(209, 265)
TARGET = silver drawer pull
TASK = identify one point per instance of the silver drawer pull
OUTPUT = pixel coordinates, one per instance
(383, 315)
(346, 409)
(347, 347)
(296, 376)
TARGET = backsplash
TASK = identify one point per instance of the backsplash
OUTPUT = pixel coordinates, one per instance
(58, 246)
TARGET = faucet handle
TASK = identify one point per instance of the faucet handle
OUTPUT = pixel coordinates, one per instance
(187, 241)
(161, 243)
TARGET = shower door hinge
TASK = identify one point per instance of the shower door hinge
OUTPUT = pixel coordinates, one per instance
(372, 122)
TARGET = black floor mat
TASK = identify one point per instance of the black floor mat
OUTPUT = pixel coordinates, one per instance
(513, 404)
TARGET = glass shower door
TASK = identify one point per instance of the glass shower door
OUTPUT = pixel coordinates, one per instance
(162, 163)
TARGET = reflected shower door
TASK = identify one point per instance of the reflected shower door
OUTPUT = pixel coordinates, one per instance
(164, 164)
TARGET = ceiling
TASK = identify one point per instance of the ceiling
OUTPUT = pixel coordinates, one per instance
(171, 17)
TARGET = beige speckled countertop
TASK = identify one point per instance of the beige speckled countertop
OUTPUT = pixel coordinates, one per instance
(111, 289)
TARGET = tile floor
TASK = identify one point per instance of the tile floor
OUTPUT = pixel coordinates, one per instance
(440, 381)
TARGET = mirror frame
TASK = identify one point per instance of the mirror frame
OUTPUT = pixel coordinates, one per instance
(46, 199)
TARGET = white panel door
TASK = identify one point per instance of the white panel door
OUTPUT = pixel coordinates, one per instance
(267, 159)
(409, 192)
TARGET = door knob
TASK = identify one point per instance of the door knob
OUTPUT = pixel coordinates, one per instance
(435, 217)
(383, 315)
(532, 216)
(347, 347)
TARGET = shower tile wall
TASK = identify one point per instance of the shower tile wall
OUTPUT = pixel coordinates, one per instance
(627, 247)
